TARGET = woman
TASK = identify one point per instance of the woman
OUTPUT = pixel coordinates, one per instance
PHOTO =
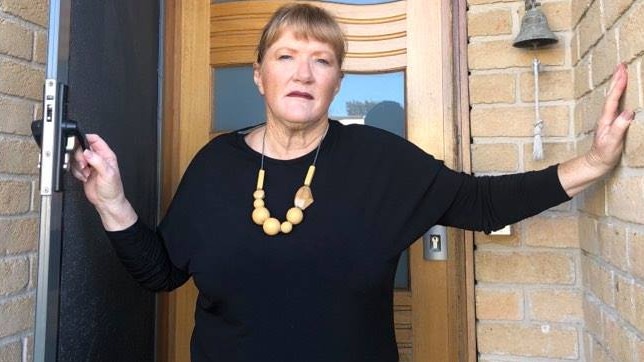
(292, 229)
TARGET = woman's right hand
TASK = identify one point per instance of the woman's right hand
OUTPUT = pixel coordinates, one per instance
(97, 168)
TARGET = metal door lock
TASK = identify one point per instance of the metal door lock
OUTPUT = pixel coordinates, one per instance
(435, 243)
(56, 136)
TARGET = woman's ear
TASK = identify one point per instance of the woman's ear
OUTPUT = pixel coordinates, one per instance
(337, 87)
(257, 77)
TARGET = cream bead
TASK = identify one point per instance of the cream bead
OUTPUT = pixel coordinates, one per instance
(259, 194)
(258, 203)
(286, 227)
(309, 176)
(271, 226)
(260, 178)
(260, 215)
(294, 215)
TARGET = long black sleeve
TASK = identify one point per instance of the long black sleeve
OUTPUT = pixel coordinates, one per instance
(489, 203)
(143, 254)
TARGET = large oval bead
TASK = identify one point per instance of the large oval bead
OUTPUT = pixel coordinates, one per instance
(260, 215)
(294, 215)
(271, 226)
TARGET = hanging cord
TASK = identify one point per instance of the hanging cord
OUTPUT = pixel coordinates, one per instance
(537, 146)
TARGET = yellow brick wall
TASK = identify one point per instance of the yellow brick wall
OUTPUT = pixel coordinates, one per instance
(23, 38)
(568, 283)
(528, 285)
(612, 214)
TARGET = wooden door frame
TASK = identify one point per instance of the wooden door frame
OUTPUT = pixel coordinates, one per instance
(187, 96)
(467, 327)
(449, 141)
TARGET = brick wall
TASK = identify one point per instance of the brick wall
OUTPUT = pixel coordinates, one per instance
(612, 214)
(529, 289)
(568, 284)
(23, 44)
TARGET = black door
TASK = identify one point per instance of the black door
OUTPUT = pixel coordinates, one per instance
(112, 78)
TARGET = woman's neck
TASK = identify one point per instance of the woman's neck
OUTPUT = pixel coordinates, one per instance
(284, 143)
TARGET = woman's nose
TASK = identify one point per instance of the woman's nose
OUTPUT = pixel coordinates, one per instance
(303, 72)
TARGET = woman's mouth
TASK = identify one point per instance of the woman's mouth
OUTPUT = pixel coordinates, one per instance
(300, 95)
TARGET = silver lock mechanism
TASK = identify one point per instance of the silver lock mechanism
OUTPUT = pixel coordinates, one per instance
(435, 243)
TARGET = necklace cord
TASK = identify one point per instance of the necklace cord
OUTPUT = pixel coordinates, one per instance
(303, 197)
(317, 150)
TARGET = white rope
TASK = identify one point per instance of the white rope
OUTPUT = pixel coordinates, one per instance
(537, 145)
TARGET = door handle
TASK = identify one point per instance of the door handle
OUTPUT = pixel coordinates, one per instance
(55, 151)
(71, 131)
(435, 243)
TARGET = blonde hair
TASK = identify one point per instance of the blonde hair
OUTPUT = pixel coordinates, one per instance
(307, 22)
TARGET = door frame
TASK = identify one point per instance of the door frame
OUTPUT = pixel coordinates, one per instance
(187, 96)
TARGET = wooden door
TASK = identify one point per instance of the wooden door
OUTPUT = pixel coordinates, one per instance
(434, 317)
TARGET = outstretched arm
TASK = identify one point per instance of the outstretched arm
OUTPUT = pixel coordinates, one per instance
(487, 203)
(98, 169)
(580, 172)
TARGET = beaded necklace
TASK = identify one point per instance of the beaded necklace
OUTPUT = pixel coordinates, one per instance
(303, 198)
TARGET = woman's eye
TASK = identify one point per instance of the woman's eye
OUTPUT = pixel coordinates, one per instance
(284, 57)
(323, 61)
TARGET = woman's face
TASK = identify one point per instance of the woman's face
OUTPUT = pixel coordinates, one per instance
(298, 79)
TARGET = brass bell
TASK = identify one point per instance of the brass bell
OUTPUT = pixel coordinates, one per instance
(534, 31)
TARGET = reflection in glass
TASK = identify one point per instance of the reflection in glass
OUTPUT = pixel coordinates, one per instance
(372, 99)
(237, 102)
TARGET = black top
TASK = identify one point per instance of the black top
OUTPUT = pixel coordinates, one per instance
(323, 292)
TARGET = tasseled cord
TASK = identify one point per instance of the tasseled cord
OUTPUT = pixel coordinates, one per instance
(537, 145)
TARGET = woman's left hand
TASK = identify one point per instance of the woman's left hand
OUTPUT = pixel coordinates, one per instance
(604, 154)
(608, 143)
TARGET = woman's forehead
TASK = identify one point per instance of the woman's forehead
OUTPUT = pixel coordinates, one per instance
(291, 36)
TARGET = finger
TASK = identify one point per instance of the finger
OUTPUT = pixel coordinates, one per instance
(614, 78)
(99, 146)
(86, 172)
(79, 159)
(619, 74)
(79, 175)
(96, 161)
(618, 86)
(78, 162)
(621, 124)
(616, 90)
